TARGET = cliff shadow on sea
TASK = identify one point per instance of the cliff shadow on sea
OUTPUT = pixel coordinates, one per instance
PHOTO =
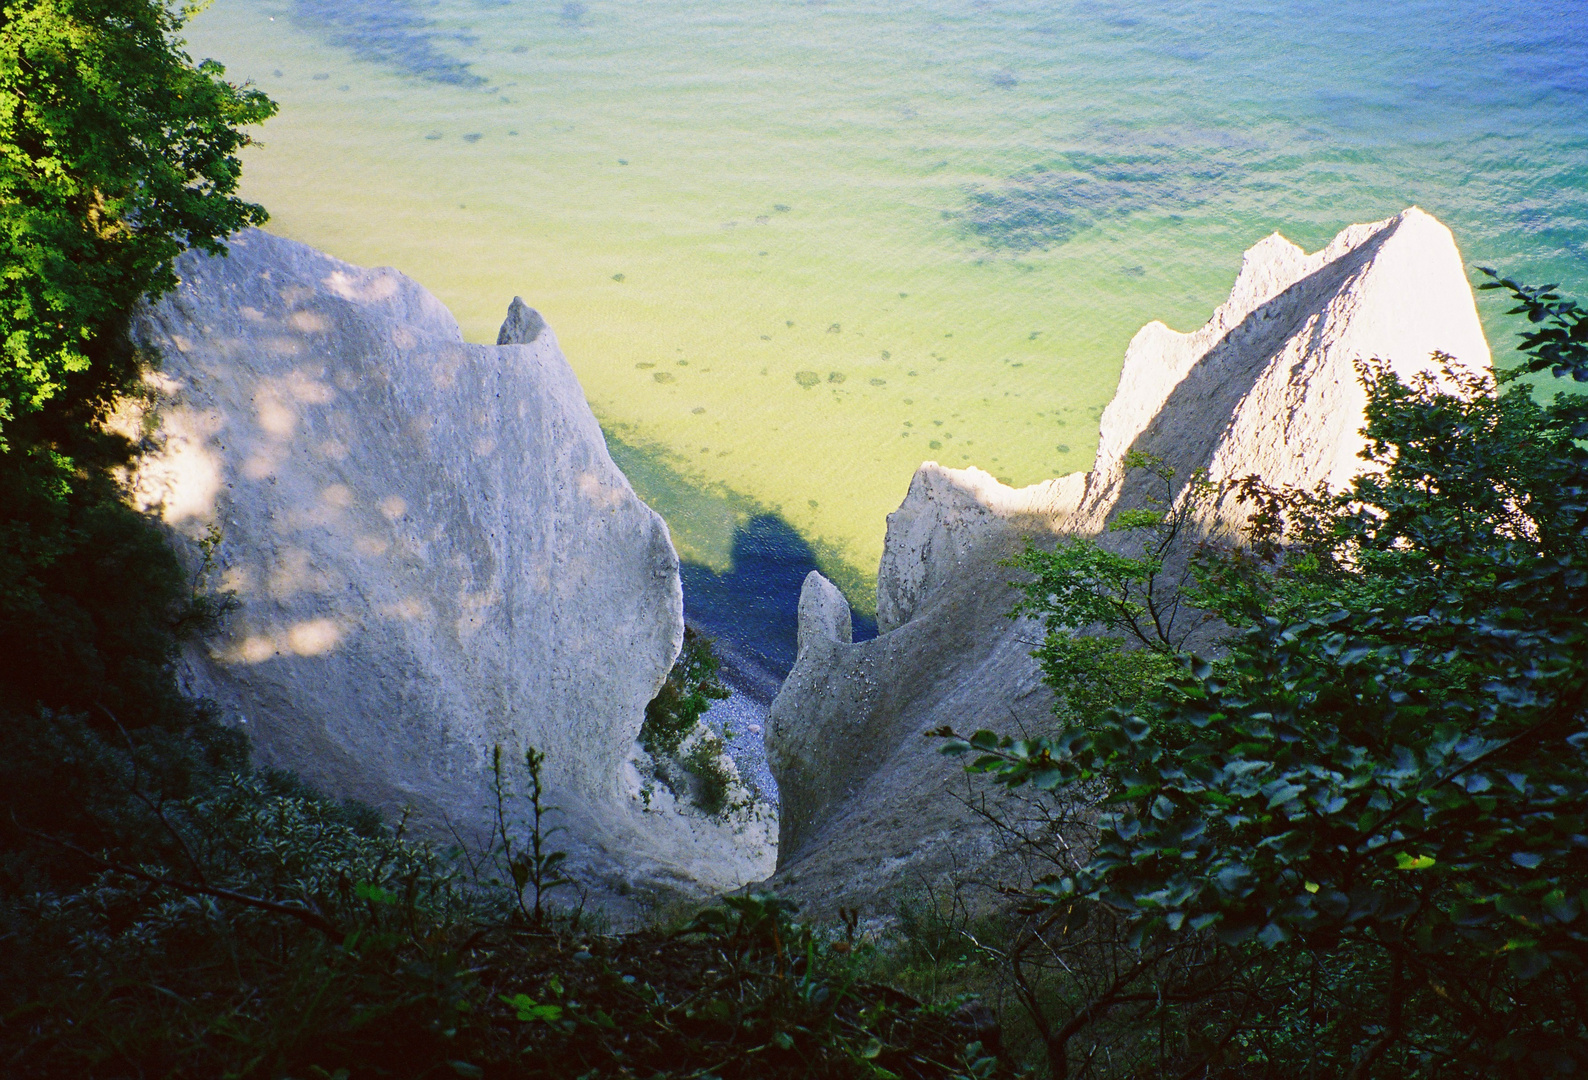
(743, 565)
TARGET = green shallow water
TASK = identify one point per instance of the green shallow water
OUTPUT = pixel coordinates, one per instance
(794, 249)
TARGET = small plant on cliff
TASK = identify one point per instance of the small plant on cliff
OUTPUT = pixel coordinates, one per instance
(713, 783)
(533, 869)
(691, 686)
(675, 716)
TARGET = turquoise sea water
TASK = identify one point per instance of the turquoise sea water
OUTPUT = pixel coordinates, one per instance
(793, 249)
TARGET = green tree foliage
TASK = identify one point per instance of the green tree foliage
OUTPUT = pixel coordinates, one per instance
(1115, 619)
(1559, 343)
(116, 153)
(1386, 777)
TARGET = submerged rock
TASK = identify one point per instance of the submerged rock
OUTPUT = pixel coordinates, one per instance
(431, 554)
(1267, 386)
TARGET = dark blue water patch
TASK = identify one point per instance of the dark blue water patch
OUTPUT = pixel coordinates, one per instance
(752, 611)
(387, 32)
(1046, 205)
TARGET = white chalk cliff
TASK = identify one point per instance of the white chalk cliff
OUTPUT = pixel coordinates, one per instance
(431, 552)
(1269, 386)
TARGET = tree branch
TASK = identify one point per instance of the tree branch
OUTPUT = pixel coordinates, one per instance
(308, 916)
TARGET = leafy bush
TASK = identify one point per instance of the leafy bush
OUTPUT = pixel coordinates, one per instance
(116, 153)
(1559, 343)
(274, 933)
(691, 686)
(713, 783)
(1382, 787)
(201, 919)
(689, 757)
(1115, 620)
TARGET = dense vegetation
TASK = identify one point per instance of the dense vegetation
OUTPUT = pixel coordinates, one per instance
(1357, 843)
(116, 153)
(1353, 844)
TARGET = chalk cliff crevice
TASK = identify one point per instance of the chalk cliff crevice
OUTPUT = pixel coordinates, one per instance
(1268, 386)
(431, 553)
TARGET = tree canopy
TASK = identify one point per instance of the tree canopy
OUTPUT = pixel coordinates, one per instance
(117, 152)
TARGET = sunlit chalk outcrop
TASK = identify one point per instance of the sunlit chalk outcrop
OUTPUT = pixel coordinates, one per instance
(1268, 386)
(431, 554)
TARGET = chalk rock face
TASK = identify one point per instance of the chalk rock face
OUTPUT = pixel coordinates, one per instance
(823, 612)
(431, 552)
(522, 325)
(1268, 386)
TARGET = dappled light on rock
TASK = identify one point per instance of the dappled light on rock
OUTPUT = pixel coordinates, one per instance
(430, 553)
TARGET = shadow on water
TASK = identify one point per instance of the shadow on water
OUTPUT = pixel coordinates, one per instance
(743, 566)
(752, 609)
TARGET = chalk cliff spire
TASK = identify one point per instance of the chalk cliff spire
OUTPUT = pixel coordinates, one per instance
(1268, 386)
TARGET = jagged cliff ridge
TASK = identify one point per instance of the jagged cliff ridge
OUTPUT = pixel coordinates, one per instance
(431, 552)
(1268, 386)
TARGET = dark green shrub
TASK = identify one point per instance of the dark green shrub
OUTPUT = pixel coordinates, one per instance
(691, 686)
(118, 153)
(713, 783)
(675, 715)
(1115, 620)
(1381, 791)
